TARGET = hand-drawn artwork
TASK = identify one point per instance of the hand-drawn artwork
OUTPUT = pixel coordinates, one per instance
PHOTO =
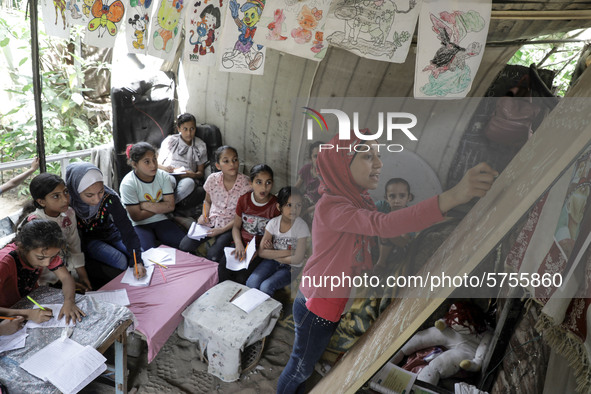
(86, 7)
(274, 27)
(105, 19)
(446, 69)
(74, 10)
(54, 17)
(138, 22)
(166, 29)
(241, 54)
(308, 20)
(296, 27)
(374, 29)
(203, 23)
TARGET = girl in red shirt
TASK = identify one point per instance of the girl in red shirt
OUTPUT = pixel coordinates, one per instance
(345, 221)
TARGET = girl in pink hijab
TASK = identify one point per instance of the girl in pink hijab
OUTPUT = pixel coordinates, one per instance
(345, 223)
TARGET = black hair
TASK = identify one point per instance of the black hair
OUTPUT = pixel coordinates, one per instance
(255, 170)
(42, 185)
(186, 117)
(313, 145)
(40, 233)
(218, 152)
(284, 193)
(393, 181)
(214, 11)
(135, 152)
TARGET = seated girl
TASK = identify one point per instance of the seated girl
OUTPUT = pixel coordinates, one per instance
(283, 246)
(308, 180)
(37, 246)
(253, 211)
(223, 189)
(106, 232)
(51, 201)
(184, 150)
(147, 195)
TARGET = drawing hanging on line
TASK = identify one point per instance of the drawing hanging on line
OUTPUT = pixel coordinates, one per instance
(54, 18)
(451, 46)
(240, 53)
(138, 22)
(375, 29)
(106, 16)
(203, 30)
(166, 29)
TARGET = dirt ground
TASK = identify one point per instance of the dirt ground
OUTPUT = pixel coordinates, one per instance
(10, 203)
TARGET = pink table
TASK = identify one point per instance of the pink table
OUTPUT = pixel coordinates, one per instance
(157, 308)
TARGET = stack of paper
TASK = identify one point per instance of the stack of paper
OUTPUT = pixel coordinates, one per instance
(164, 256)
(65, 363)
(131, 280)
(179, 171)
(198, 231)
(54, 321)
(232, 263)
(392, 379)
(250, 300)
(14, 341)
(117, 297)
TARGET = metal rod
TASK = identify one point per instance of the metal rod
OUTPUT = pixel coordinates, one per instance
(37, 83)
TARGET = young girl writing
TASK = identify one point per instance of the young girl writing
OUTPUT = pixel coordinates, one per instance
(344, 220)
(283, 246)
(222, 189)
(147, 195)
(51, 201)
(184, 150)
(36, 246)
(106, 233)
(253, 211)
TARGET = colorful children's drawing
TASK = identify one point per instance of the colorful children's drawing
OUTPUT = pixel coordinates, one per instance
(138, 22)
(105, 18)
(241, 54)
(375, 29)
(54, 18)
(450, 46)
(203, 23)
(296, 27)
(73, 10)
(166, 28)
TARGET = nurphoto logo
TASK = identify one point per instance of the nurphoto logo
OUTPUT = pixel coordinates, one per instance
(395, 121)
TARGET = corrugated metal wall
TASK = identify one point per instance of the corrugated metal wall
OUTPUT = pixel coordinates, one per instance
(255, 112)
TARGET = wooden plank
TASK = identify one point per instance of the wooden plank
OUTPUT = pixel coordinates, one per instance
(558, 141)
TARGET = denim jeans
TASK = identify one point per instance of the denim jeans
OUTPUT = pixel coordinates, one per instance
(270, 276)
(112, 252)
(312, 335)
(182, 188)
(165, 231)
(215, 251)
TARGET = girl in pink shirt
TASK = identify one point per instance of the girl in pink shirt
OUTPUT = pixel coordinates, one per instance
(345, 222)
(222, 189)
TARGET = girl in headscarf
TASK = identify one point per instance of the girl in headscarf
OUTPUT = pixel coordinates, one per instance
(105, 230)
(345, 222)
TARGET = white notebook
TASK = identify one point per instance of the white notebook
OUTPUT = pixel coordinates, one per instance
(250, 300)
(131, 280)
(54, 321)
(233, 264)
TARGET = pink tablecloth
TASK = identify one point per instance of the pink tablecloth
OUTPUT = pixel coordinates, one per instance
(157, 308)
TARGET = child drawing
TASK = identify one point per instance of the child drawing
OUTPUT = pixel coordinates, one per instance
(245, 46)
(105, 17)
(318, 42)
(274, 27)
(211, 19)
(168, 20)
(74, 9)
(86, 7)
(61, 6)
(308, 20)
(140, 26)
(201, 31)
(451, 29)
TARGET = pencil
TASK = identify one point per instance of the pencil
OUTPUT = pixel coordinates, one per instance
(204, 212)
(162, 272)
(162, 265)
(7, 318)
(36, 303)
(238, 292)
(135, 263)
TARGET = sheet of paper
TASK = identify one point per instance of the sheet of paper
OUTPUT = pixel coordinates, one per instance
(53, 322)
(198, 231)
(392, 379)
(66, 364)
(250, 300)
(180, 171)
(14, 341)
(233, 264)
(164, 256)
(130, 279)
(117, 297)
